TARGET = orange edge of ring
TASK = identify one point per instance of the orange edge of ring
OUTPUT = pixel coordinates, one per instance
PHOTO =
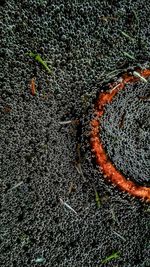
(106, 166)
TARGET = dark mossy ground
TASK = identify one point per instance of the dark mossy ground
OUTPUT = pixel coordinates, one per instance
(84, 43)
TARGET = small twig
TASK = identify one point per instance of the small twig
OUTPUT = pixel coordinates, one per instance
(72, 188)
(137, 19)
(65, 122)
(79, 170)
(138, 75)
(122, 120)
(106, 18)
(144, 97)
(17, 185)
(128, 55)
(115, 87)
(113, 216)
(67, 206)
(33, 87)
(127, 36)
(39, 260)
(69, 122)
(119, 235)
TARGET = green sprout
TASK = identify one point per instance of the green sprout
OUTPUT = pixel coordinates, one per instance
(38, 58)
(97, 199)
(113, 256)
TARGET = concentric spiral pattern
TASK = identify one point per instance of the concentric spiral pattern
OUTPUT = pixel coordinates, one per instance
(111, 173)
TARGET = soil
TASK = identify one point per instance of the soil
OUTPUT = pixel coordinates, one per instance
(57, 209)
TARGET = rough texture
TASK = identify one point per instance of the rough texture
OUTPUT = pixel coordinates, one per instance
(125, 132)
(83, 43)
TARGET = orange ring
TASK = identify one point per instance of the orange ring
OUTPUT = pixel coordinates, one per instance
(106, 166)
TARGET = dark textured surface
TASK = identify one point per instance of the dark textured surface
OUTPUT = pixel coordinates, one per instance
(125, 132)
(83, 43)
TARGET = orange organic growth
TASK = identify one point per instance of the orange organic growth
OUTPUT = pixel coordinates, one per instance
(106, 166)
(33, 87)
